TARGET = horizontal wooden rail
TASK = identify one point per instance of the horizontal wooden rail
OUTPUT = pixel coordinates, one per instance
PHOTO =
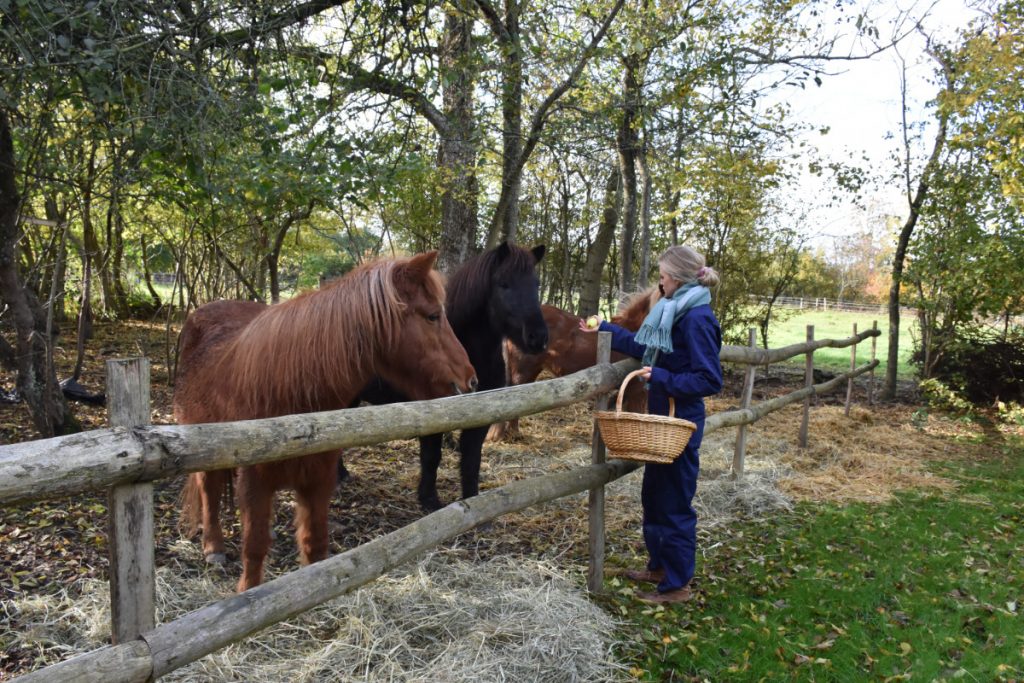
(757, 356)
(67, 465)
(734, 418)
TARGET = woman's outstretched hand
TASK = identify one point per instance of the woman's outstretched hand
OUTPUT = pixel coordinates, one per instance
(590, 324)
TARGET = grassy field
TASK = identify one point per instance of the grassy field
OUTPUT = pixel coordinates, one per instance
(927, 587)
(792, 329)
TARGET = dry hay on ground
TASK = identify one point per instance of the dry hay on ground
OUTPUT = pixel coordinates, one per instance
(442, 618)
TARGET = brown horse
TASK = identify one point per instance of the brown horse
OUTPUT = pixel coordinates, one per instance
(570, 350)
(241, 360)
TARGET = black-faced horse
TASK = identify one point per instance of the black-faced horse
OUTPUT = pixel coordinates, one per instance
(491, 298)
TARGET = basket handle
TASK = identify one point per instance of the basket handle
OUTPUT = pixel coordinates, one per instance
(622, 391)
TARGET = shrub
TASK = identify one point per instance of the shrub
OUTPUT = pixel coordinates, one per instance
(981, 366)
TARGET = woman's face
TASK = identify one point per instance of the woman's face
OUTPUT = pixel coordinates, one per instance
(667, 284)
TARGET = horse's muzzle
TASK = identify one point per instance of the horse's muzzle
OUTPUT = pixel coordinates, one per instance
(471, 387)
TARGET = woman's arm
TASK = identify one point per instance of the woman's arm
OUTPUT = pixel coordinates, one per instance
(623, 340)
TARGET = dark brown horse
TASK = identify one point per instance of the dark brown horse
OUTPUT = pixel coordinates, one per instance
(492, 298)
(242, 360)
(570, 350)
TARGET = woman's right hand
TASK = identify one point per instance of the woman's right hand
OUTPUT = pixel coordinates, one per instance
(591, 324)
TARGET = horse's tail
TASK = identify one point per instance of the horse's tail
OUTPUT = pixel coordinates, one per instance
(191, 501)
(191, 507)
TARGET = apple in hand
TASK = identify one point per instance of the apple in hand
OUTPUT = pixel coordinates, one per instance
(593, 322)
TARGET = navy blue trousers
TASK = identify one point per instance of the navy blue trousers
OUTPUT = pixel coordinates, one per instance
(670, 522)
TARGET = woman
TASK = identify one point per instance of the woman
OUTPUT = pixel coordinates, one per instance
(678, 343)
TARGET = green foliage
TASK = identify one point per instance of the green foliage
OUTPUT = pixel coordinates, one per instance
(1011, 413)
(924, 588)
(941, 397)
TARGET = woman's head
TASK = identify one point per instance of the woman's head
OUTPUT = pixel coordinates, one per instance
(684, 264)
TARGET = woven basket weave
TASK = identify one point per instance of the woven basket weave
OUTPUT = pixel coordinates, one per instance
(643, 437)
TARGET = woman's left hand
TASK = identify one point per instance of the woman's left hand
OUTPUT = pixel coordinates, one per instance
(645, 373)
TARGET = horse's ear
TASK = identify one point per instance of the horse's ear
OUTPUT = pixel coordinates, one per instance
(420, 265)
(502, 251)
(538, 252)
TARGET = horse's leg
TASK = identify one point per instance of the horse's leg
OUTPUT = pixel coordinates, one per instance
(430, 460)
(256, 499)
(212, 486)
(470, 446)
(313, 499)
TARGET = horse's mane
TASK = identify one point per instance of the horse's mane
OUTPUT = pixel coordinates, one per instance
(470, 286)
(636, 307)
(306, 354)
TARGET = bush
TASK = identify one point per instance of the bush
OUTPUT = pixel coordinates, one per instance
(982, 367)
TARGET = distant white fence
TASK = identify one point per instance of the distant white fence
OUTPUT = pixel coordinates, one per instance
(820, 303)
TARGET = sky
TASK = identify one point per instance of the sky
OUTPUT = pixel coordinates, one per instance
(859, 102)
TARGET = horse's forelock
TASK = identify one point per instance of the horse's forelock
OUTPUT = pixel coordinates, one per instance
(470, 285)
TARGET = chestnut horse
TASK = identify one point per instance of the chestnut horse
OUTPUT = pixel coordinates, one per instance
(570, 350)
(493, 297)
(242, 360)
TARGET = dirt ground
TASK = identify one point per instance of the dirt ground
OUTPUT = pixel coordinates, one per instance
(867, 456)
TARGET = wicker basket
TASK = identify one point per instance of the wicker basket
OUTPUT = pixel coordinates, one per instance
(639, 436)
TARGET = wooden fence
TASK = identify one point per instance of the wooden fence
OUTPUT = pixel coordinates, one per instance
(128, 456)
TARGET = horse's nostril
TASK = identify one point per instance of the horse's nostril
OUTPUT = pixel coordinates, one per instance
(473, 384)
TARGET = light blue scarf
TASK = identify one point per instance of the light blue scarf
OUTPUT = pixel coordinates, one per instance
(656, 331)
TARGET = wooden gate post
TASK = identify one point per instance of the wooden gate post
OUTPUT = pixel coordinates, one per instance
(871, 377)
(595, 571)
(808, 381)
(853, 366)
(740, 452)
(130, 510)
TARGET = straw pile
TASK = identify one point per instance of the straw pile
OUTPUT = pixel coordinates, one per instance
(442, 619)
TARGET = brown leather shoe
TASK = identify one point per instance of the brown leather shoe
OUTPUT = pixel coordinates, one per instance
(679, 595)
(646, 575)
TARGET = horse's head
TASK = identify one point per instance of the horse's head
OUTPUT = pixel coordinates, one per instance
(514, 306)
(429, 361)
(632, 313)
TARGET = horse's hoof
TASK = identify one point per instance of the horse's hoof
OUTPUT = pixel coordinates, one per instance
(432, 505)
(216, 558)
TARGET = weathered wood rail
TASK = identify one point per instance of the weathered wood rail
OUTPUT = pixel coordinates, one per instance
(122, 457)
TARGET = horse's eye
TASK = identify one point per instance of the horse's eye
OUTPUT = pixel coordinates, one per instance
(434, 317)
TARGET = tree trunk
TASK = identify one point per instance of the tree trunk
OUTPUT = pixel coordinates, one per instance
(590, 289)
(147, 274)
(505, 225)
(457, 152)
(644, 277)
(36, 383)
(627, 143)
(898, 259)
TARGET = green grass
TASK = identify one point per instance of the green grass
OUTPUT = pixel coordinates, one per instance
(927, 588)
(839, 325)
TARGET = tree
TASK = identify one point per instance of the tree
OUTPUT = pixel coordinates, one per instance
(915, 200)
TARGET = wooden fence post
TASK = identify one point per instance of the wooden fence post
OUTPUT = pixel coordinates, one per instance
(740, 452)
(808, 381)
(871, 377)
(130, 510)
(853, 366)
(595, 571)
